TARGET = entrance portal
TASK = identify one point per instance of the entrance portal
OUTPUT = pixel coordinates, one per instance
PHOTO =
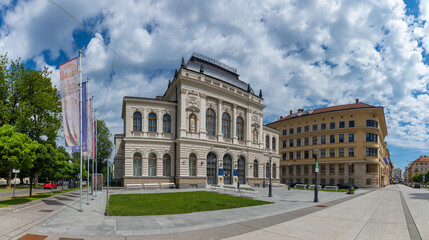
(211, 169)
(241, 170)
(227, 169)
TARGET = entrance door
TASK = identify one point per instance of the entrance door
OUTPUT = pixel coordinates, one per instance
(227, 169)
(211, 169)
(241, 170)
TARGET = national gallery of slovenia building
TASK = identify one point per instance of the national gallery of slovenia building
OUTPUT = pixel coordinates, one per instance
(206, 129)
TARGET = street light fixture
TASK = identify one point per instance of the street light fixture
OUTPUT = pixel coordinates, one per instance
(270, 187)
(316, 198)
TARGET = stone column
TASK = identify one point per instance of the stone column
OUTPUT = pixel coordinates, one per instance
(203, 109)
(145, 121)
(159, 124)
(181, 108)
(248, 128)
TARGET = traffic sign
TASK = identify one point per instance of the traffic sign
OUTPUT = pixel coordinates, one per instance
(15, 170)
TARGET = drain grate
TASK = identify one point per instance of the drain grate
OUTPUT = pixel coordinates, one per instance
(32, 237)
(46, 210)
(321, 206)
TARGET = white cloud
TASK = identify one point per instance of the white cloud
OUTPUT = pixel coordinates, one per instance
(309, 53)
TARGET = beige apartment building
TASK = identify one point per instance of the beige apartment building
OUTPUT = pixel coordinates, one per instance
(206, 129)
(420, 165)
(349, 140)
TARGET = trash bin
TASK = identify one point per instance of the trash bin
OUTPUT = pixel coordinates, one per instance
(351, 190)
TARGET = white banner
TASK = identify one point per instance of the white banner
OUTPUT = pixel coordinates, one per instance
(69, 82)
(90, 128)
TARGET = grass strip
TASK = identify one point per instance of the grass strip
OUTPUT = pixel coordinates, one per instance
(175, 203)
(20, 200)
(323, 190)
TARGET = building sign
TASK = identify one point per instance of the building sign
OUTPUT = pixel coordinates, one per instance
(235, 172)
(220, 171)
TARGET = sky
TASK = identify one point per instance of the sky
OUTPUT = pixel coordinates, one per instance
(302, 54)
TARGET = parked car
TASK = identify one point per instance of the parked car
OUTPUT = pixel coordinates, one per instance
(416, 185)
(49, 185)
(346, 186)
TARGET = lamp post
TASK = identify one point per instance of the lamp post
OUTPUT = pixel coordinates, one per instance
(270, 187)
(350, 179)
(288, 184)
(316, 198)
(264, 170)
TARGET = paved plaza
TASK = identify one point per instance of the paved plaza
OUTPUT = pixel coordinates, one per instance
(393, 212)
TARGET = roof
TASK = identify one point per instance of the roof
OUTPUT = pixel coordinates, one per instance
(302, 113)
(216, 69)
(151, 99)
(422, 159)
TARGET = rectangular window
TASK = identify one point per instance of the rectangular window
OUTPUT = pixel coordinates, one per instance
(368, 181)
(351, 168)
(298, 169)
(323, 180)
(371, 137)
(351, 152)
(332, 125)
(371, 168)
(306, 169)
(322, 168)
(298, 155)
(323, 126)
(332, 139)
(291, 131)
(341, 152)
(152, 167)
(166, 171)
(298, 180)
(291, 143)
(193, 167)
(322, 139)
(284, 143)
(331, 181)
(306, 128)
(283, 156)
(341, 181)
(332, 168)
(314, 140)
(298, 142)
(332, 152)
(290, 155)
(342, 124)
(306, 141)
(341, 138)
(305, 180)
(314, 127)
(284, 169)
(306, 154)
(290, 170)
(372, 152)
(351, 124)
(284, 132)
(341, 168)
(371, 123)
(298, 130)
(351, 137)
(322, 153)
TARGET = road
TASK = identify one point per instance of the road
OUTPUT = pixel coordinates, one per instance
(6, 195)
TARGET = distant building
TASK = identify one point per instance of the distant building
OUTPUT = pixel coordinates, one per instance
(397, 174)
(420, 165)
(350, 143)
(206, 129)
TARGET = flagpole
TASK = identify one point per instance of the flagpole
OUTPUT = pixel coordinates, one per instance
(93, 147)
(96, 182)
(87, 137)
(80, 130)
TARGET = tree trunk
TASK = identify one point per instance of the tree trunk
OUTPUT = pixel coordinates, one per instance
(31, 184)
(36, 179)
(21, 180)
(8, 178)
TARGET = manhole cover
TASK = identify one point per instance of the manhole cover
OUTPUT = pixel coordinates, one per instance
(45, 210)
(32, 237)
(321, 206)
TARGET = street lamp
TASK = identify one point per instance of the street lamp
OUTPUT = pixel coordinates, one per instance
(316, 198)
(264, 170)
(270, 187)
(290, 177)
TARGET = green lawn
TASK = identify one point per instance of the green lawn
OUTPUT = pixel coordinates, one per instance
(174, 203)
(20, 200)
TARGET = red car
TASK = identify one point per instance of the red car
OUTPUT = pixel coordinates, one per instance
(49, 185)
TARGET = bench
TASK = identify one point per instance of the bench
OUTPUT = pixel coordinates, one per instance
(301, 186)
(139, 186)
(332, 187)
(313, 185)
(278, 185)
(229, 188)
(168, 185)
(247, 190)
(151, 185)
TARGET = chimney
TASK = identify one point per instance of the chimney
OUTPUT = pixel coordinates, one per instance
(290, 112)
(357, 100)
(300, 110)
(281, 117)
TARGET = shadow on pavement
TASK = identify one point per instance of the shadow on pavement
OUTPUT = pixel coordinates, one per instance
(419, 196)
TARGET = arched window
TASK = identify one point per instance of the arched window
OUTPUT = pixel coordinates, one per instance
(210, 122)
(274, 143)
(267, 170)
(152, 122)
(255, 135)
(137, 164)
(166, 165)
(152, 165)
(166, 123)
(226, 125)
(192, 165)
(137, 121)
(274, 171)
(267, 142)
(255, 169)
(192, 123)
(240, 129)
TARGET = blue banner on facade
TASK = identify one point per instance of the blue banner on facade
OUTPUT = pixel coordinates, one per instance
(235, 172)
(220, 171)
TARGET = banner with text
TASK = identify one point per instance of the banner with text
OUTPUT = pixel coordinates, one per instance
(69, 83)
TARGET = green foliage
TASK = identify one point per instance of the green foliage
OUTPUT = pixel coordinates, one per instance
(174, 203)
(104, 145)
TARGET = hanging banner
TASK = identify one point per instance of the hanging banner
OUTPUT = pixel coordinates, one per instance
(69, 83)
(90, 136)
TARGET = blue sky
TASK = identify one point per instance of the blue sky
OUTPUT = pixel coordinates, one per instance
(302, 54)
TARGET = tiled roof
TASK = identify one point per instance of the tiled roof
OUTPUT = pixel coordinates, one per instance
(327, 109)
(422, 159)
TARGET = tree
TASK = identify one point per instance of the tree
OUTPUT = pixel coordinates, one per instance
(104, 145)
(16, 150)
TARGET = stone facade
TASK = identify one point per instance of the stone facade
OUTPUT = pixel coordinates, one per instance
(214, 134)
